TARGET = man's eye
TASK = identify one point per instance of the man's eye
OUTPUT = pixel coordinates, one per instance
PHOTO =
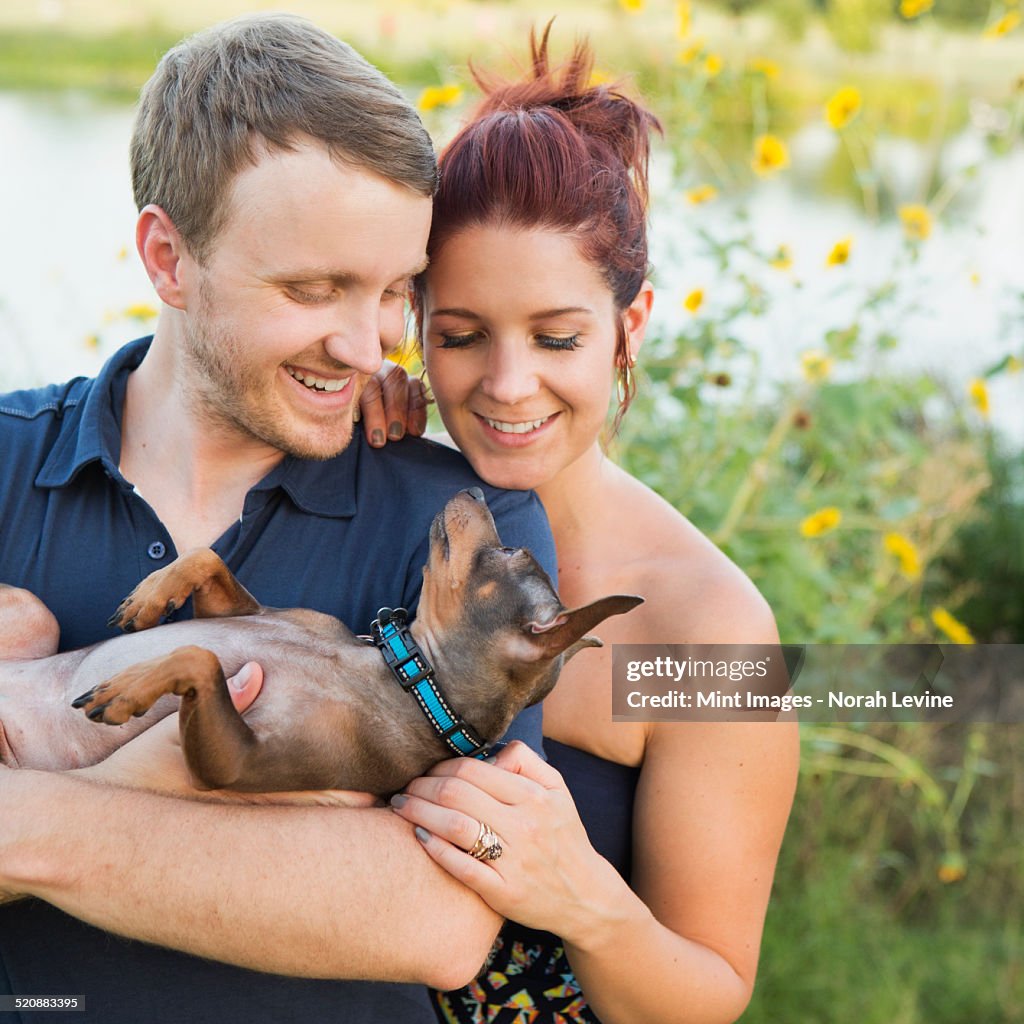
(458, 340)
(559, 343)
(311, 298)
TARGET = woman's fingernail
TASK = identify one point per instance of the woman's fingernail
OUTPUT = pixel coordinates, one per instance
(377, 438)
(399, 800)
(493, 759)
(395, 431)
(357, 414)
(421, 834)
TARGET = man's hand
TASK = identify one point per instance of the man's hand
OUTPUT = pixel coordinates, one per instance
(6, 896)
(154, 762)
(322, 881)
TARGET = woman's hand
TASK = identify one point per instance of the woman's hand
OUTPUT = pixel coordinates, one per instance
(548, 875)
(154, 761)
(393, 404)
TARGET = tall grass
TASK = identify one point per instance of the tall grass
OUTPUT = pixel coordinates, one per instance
(871, 922)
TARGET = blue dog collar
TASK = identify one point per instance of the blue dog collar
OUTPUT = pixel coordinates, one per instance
(409, 665)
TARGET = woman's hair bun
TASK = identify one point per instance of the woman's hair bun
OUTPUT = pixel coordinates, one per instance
(598, 110)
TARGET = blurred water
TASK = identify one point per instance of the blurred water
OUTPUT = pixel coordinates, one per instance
(68, 268)
(960, 304)
(66, 214)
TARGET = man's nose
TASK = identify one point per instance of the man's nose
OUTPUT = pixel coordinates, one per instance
(356, 340)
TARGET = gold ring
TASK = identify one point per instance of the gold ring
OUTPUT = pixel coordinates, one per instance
(487, 845)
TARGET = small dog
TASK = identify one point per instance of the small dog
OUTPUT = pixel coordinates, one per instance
(490, 638)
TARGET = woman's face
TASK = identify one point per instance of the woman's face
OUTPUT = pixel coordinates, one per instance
(519, 334)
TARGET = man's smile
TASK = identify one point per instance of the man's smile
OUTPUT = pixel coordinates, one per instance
(317, 383)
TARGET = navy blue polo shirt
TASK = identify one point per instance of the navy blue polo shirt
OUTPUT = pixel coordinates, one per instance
(344, 536)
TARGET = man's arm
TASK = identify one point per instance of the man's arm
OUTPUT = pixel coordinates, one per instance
(315, 892)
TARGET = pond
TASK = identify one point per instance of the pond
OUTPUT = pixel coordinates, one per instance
(69, 272)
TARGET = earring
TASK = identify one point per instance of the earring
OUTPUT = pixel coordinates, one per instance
(624, 381)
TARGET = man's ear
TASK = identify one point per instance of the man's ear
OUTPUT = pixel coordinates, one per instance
(635, 319)
(162, 252)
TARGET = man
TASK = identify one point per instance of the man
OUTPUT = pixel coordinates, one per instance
(284, 193)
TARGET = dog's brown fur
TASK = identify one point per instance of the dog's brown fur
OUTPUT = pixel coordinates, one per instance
(330, 716)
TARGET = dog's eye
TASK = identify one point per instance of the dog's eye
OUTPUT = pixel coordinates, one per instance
(510, 551)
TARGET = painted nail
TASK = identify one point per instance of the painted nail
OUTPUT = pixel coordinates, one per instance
(395, 431)
(399, 800)
(377, 439)
(421, 834)
(357, 414)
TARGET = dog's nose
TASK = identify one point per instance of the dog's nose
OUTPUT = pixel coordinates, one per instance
(476, 493)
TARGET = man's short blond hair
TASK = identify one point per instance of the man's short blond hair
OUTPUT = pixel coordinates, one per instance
(219, 96)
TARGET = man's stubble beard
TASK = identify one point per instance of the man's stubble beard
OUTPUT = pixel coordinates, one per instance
(231, 396)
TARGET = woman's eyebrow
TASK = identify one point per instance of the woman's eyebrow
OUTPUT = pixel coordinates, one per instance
(463, 314)
(544, 314)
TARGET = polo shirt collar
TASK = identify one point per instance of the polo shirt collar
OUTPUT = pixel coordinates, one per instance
(92, 433)
(321, 488)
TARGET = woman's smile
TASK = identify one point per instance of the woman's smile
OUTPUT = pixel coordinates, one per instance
(516, 433)
(523, 374)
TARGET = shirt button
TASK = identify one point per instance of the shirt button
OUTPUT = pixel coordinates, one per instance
(156, 550)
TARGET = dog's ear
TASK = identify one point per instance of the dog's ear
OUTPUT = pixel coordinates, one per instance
(566, 633)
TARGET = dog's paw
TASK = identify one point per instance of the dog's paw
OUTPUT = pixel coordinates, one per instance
(153, 599)
(80, 702)
(118, 699)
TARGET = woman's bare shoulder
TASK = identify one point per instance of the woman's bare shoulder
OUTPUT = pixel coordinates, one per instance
(694, 592)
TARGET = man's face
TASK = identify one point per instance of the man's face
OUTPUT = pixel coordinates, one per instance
(304, 287)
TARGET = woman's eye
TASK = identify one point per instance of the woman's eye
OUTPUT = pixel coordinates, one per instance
(559, 343)
(458, 340)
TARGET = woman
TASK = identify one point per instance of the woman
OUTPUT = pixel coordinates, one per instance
(534, 300)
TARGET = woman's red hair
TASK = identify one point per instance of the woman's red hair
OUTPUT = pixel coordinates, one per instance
(555, 152)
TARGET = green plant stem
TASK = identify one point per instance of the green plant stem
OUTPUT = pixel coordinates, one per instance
(759, 104)
(968, 776)
(908, 768)
(756, 475)
(868, 188)
(947, 193)
(714, 161)
(834, 763)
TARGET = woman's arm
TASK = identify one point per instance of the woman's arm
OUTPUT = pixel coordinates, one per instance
(711, 809)
(712, 805)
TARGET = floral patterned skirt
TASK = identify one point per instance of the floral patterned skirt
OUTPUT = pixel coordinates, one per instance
(526, 980)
